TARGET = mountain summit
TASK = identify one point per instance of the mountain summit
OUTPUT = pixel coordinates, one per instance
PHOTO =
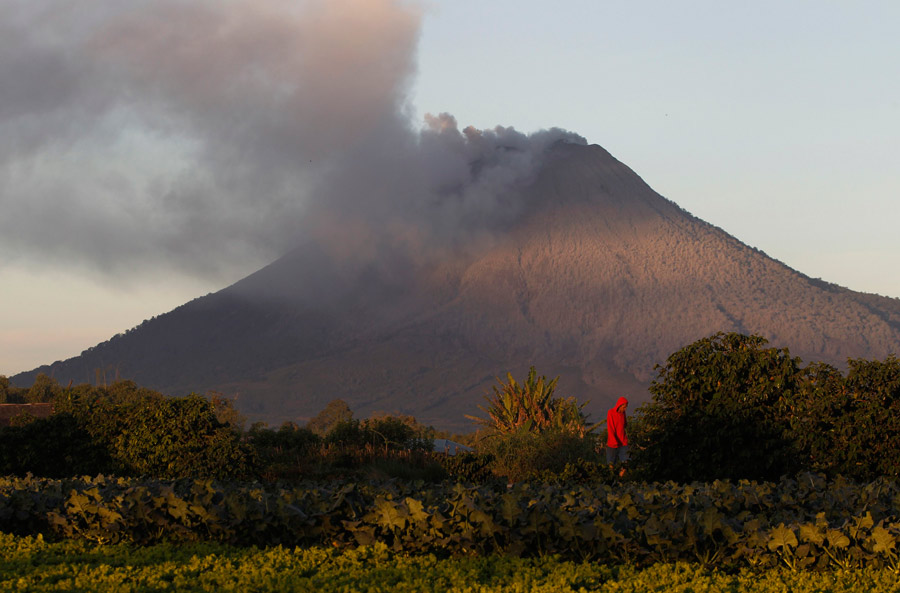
(588, 274)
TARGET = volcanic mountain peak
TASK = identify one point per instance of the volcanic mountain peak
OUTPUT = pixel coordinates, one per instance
(584, 272)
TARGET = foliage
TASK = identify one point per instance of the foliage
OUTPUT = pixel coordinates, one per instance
(287, 437)
(179, 437)
(54, 447)
(43, 390)
(386, 432)
(800, 523)
(729, 407)
(35, 565)
(819, 400)
(720, 410)
(226, 413)
(531, 406)
(850, 425)
(128, 430)
(584, 472)
(524, 454)
(286, 453)
(335, 412)
(869, 436)
(23, 419)
(395, 446)
(468, 466)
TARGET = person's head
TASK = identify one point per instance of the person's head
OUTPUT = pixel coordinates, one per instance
(622, 404)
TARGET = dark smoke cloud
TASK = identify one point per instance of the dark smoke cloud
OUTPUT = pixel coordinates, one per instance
(209, 135)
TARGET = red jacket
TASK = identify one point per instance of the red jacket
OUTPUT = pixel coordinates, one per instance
(615, 425)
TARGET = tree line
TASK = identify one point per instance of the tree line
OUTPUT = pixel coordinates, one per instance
(728, 406)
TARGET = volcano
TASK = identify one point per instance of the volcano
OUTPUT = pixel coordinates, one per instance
(595, 278)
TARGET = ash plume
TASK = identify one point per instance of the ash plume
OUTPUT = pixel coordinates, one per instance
(206, 136)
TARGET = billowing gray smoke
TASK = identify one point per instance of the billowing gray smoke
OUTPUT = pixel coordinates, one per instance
(206, 136)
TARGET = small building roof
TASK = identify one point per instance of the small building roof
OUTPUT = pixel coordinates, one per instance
(10, 411)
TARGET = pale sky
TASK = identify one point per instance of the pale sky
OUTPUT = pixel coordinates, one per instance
(777, 121)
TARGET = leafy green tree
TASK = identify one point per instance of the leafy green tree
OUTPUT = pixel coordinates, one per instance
(147, 433)
(531, 406)
(180, 437)
(335, 412)
(850, 425)
(44, 389)
(391, 432)
(820, 400)
(869, 437)
(347, 433)
(720, 409)
(226, 412)
(4, 389)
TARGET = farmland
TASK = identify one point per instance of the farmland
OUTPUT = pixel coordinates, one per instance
(750, 473)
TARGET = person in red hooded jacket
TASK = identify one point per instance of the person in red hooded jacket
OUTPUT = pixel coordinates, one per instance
(617, 441)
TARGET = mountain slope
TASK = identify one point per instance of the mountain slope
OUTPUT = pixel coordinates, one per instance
(597, 279)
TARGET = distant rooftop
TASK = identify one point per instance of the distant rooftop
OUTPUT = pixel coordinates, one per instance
(10, 411)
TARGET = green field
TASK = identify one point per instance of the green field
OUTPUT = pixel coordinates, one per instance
(31, 564)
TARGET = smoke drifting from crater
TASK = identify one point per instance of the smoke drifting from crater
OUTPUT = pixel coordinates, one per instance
(205, 136)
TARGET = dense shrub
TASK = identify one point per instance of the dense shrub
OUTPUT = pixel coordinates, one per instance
(719, 410)
(468, 466)
(386, 432)
(525, 454)
(179, 437)
(287, 438)
(127, 430)
(729, 407)
(287, 453)
(850, 425)
(54, 447)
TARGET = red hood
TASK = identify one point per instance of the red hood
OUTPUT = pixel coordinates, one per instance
(622, 400)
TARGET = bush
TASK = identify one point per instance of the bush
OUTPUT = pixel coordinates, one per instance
(128, 430)
(386, 432)
(286, 438)
(850, 425)
(468, 466)
(720, 409)
(524, 454)
(729, 407)
(180, 437)
(531, 406)
(54, 447)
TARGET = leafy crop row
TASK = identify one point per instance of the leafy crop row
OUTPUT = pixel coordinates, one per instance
(34, 565)
(807, 522)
